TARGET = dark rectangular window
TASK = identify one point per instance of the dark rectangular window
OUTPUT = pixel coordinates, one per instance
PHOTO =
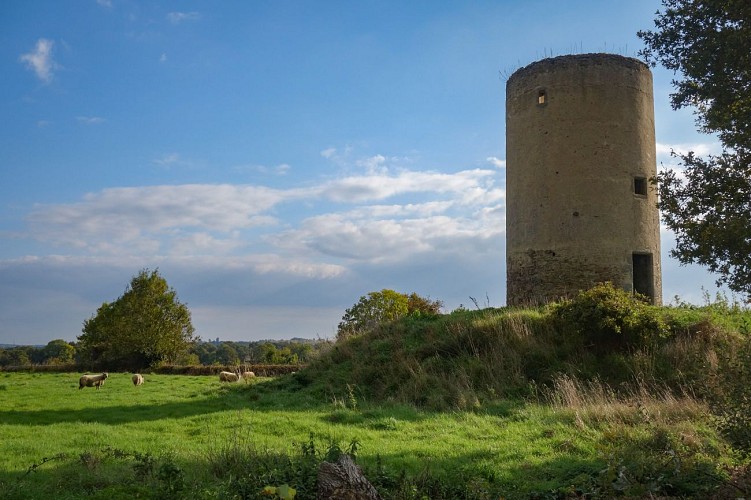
(642, 269)
(640, 186)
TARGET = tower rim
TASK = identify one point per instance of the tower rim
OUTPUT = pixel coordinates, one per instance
(588, 59)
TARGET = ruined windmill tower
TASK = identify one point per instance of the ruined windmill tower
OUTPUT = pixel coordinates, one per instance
(580, 150)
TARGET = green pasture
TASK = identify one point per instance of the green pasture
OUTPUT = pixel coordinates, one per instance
(62, 442)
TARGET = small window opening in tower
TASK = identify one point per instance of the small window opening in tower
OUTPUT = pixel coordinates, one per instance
(642, 274)
(640, 186)
(541, 97)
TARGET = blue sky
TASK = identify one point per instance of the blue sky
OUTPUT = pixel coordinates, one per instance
(275, 160)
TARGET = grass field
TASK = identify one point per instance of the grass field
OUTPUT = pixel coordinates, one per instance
(176, 436)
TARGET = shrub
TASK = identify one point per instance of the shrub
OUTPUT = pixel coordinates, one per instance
(732, 407)
(608, 319)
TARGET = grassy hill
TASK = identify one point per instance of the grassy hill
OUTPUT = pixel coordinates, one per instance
(468, 359)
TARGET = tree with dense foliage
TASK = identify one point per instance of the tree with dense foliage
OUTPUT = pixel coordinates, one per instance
(377, 308)
(58, 352)
(226, 354)
(708, 204)
(16, 356)
(273, 355)
(143, 327)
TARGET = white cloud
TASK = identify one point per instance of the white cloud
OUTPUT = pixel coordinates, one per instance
(90, 120)
(409, 210)
(665, 161)
(443, 212)
(356, 237)
(358, 189)
(466, 211)
(168, 159)
(496, 162)
(163, 58)
(104, 3)
(373, 165)
(701, 148)
(145, 220)
(180, 17)
(258, 264)
(40, 60)
(281, 169)
(339, 157)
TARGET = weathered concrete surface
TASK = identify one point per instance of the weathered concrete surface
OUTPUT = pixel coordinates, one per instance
(579, 131)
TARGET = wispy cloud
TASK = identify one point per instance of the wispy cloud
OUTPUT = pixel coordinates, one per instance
(143, 210)
(163, 58)
(281, 169)
(373, 165)
(373, 237)
(90, 120)
(168, 160)
(665, 161)
(40, 60)
(496, 162)
(337, 156)
(180, 17)
(105, 3)
(467, 185)
(700, 148)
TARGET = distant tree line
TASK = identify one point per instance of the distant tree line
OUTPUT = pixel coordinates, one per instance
(227, 353)
(56, 352)
(265, 352)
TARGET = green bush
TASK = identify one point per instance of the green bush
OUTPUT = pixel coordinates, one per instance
(732, 407)
(608, 319)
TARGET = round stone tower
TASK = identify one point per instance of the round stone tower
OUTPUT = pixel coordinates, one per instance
(580, 151)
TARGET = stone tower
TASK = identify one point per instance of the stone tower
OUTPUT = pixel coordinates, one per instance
(580, 150)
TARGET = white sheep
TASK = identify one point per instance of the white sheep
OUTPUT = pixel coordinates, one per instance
(92, 381)
(248, 375)
(137, 379)
(228, 377)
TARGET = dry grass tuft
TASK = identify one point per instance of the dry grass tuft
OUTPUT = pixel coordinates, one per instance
(596, 402)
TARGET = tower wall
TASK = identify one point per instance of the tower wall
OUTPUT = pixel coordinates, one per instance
(580, 150)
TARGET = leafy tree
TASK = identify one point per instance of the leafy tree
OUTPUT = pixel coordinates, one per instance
(378, 308)
(16, 356)
(301, 350)
(144, 326)
(206, 352)
(708, 205)
(58, 351)
(277, 356)
(421, 305)
(226, 354)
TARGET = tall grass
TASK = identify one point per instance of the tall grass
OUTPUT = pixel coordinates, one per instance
(468, 359)
(595, 402)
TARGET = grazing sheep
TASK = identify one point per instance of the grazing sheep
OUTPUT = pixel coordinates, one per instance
(92, 381)
(137, 379)
(248, 374)
(228, 377)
